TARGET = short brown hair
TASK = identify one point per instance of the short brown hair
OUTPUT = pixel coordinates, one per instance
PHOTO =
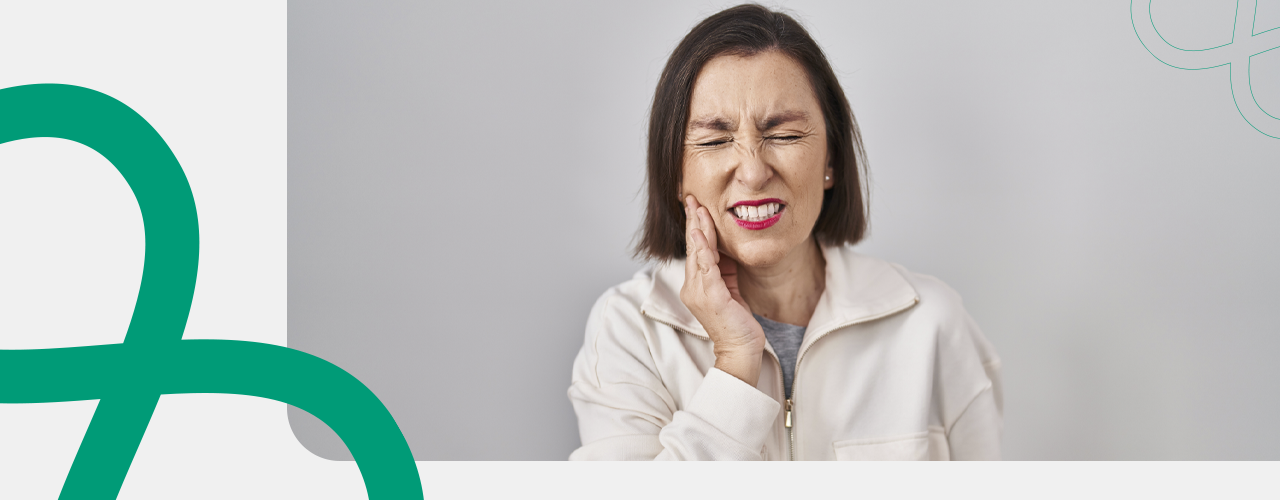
(747, 30)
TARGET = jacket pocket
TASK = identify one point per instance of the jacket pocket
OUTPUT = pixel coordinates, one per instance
(913, 446)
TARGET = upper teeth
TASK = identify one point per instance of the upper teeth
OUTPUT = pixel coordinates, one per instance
(757, 213)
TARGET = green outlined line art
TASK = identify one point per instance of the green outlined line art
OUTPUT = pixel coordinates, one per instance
(1236, 55)
(128, 378)
(1254, 27)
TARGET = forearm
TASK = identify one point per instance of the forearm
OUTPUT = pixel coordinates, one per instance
(726, 419)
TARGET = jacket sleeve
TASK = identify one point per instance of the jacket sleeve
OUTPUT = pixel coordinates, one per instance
(625, 411)
(976, 432)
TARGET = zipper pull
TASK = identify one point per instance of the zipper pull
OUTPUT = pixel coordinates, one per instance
(788, 422)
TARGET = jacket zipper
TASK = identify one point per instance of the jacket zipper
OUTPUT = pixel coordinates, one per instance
(791, 430)
(789, 404)
(795, 380)
(781, 383)
(786, 405)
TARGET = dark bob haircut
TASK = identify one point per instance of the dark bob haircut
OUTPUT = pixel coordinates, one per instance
(747, 30)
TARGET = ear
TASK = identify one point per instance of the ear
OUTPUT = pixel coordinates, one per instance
(680, 192)
(828, 178)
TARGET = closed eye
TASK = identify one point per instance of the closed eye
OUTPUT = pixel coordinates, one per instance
(715, 143)
(786, 138)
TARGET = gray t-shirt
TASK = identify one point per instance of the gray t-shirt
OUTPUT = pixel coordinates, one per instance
(785, 340)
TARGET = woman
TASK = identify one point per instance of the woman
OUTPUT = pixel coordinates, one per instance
(772, 339)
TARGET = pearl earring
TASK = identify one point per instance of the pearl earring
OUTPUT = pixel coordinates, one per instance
(826, 177)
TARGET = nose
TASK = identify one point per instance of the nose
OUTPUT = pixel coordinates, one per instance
(753, 172)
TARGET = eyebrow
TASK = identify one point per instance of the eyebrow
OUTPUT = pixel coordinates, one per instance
(781, 118)
(714, 123)
(724, 125)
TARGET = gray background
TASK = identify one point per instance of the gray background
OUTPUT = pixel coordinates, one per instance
(464, 181)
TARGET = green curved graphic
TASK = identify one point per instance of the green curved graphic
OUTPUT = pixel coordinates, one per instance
(128, 378)
(1237, 55)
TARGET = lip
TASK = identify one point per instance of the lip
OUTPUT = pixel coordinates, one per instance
(758, 225)
(756, 203)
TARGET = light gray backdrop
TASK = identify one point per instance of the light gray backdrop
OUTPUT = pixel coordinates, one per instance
(464, 181)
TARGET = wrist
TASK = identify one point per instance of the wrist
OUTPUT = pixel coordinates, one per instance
(744, 365)
(738, 352)
(739, 346)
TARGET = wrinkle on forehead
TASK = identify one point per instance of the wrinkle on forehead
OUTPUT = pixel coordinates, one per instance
(766, 123)
(769, 89)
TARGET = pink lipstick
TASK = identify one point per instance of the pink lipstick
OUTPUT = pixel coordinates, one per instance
(757, 214)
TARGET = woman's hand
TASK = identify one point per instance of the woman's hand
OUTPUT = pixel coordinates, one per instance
(710, 291)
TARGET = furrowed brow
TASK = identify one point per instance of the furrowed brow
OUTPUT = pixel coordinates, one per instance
(781, 118)
(714, 123)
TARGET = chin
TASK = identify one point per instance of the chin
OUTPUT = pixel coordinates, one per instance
(763, 252)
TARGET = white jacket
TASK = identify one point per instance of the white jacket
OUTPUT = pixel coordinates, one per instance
(891, 368)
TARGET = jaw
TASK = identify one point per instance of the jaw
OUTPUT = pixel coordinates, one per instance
(753, 251)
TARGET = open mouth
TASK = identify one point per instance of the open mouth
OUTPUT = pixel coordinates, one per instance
(757, 214)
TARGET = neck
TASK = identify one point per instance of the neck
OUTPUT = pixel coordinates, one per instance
(786, 291)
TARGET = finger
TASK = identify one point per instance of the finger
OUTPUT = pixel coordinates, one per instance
(692, 207)
(710, 280)
(700, 251)
(709, 229)
(705, 224)
(691, 220)
(692, 223)
(691, 260)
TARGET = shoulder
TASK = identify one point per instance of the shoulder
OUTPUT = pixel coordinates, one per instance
(937, 299)
(943, 305)
(616, 345)
(626, 298)
(618, 316)
(939, 309)
(966, 360)
(962, 347)
(871, 279)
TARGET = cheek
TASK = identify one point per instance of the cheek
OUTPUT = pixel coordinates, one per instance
(700, 177)
(806, 177)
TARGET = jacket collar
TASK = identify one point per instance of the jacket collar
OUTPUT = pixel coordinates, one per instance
(858, 288)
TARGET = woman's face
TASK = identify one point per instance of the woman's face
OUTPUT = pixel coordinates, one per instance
(756, 155)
